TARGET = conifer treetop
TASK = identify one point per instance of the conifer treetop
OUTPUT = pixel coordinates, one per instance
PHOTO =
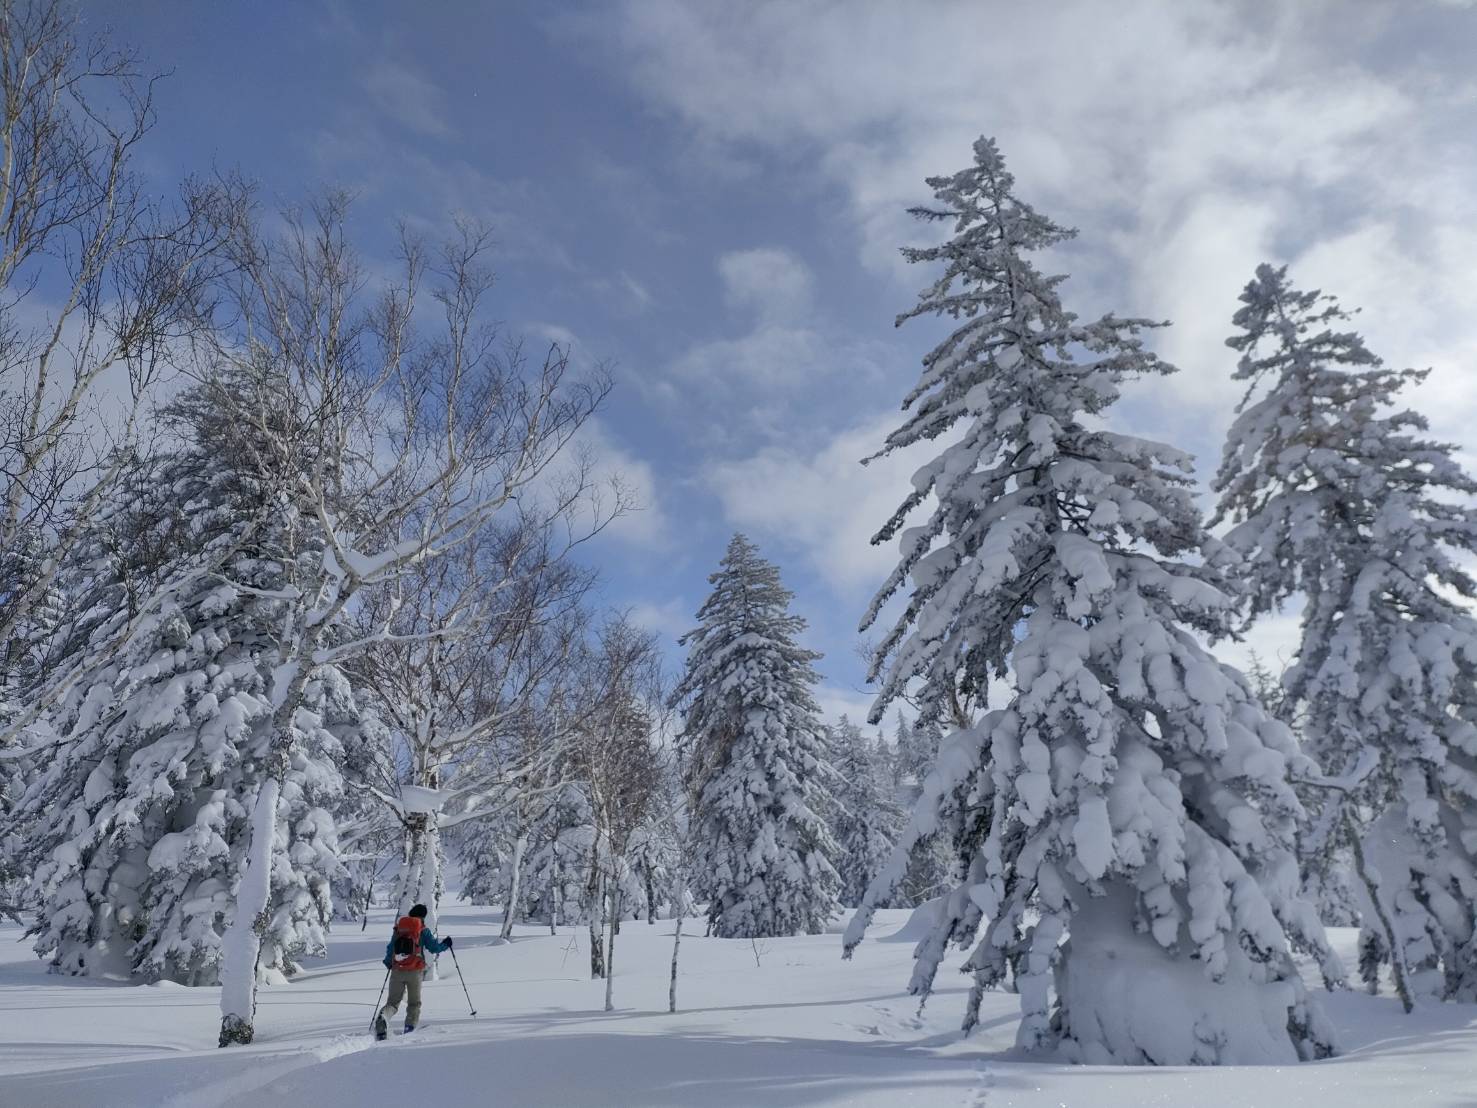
(1321, 453)
(747, 609)
(1019, 373)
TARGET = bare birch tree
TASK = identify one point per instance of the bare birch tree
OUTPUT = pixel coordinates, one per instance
(478, 638)
(616, 761)
(409, 445)
(100, 284)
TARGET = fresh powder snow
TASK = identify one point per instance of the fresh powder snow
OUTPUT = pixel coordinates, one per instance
(800, 1027)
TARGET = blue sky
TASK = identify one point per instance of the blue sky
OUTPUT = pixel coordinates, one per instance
(710, 197)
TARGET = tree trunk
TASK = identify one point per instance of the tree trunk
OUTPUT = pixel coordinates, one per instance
(428, 887)
(368, 901)
(412, 859)
(595, 902)
(615, 915)
(515, 881)
(556, 888)
(1397, 955)
(242, 943)
(676, 947)
(650, 898)
(597, 930)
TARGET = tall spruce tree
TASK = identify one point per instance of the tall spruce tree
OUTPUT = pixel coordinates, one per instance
(1341, 497)
(1137, 866)
(136, 830)
(750, 725)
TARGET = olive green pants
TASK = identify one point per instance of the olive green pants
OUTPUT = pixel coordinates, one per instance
(404, 981)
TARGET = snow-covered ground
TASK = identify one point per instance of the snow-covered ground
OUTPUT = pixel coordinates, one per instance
(799, 1028)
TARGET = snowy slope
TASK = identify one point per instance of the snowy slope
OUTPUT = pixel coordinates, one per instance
(800, 1028)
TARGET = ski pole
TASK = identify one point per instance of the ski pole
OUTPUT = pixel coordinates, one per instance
(463, 980)
(383, 983)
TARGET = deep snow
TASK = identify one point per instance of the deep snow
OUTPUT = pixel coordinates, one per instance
(799, 1028)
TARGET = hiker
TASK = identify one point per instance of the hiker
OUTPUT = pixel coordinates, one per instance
(405, 959)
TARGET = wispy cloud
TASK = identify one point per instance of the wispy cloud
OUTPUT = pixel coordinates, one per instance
(777, 377)
(819, 502)
(1188, 140)
(407, 97)
(772, 282)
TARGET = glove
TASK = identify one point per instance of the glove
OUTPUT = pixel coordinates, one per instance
(388, 964)
(449, 943)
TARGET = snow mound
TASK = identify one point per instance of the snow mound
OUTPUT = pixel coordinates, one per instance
(1127, 1000)
(919, 924)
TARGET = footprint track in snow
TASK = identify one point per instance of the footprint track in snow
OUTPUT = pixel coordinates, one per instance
(984, 1084)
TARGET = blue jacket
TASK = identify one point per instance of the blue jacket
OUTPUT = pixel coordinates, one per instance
(429, 944)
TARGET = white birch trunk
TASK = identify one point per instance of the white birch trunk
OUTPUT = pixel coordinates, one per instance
(409, 884)
(615, 915)
(680, 895)
(242, 943)
(515, 882)
(556, 894)
(243, 939)
(597, 938)
(428, 889)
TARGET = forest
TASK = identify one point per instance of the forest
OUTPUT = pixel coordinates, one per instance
(303, 624)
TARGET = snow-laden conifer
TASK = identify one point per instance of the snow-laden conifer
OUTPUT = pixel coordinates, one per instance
(750, 725)
(137, 827)
(867, 819)
(25, 661)
(916, 746)
(1340, 496)
(1130, 802)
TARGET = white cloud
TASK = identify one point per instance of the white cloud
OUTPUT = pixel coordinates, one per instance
(554, 333)
(771, 356)
(772, 282)
(670, 619)
(1187, 140)
(821, 502)
(406, 97)
(836, 701)
(782, 350)
(777, 378)
(646, 525)
(1273, 639)
(641, 297)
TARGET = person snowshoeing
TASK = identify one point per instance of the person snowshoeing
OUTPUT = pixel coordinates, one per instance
(405, 959)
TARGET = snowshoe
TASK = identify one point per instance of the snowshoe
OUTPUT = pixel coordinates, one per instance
(381, 1029)
(409, 1027)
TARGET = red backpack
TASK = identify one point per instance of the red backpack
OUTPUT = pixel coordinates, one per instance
(405, 947)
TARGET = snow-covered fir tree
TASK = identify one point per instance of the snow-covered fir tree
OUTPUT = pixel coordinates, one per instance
(930, 857)
(751, 729)
(1328, 865)
(1137, 867)
(867, 819)
(651, 861)
(1340, 496)
(479, 850)
(559, 860)
(369, 835)
(916, 746)
(24, 664)
(137, 826)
